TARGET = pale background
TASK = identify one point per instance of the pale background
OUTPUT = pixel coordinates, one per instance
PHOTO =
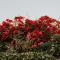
(29, 8)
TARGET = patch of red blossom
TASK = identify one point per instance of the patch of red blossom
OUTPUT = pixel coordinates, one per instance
(8, 20)
(19, 19)
(37, 31)
(5, 35)
(58, 32)
(27, 28)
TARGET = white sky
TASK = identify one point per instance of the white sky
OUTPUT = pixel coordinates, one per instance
(29, 8)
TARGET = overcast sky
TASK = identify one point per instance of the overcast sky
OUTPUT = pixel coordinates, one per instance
(29, 8)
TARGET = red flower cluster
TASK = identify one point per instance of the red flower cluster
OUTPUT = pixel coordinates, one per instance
(42, 30)
(38, 31)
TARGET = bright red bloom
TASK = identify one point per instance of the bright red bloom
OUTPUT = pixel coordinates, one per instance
(18, 18)
(13, 42)
(5, 35)
(37, 33)
(58, 32)
(43, 18)
(8, 20)
(20, 26)
(38, 44)
(38, 41)
(27, 28)
(29, 22)
(1, 28)
(12, 28)
(52, 20)
(41, 43)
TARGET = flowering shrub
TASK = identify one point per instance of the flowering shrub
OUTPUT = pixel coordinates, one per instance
(22, 34)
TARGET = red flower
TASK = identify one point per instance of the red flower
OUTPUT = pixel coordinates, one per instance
(41, 43)
(43, 18)
(1, 28)
(5, 35)
(8, 20)
(27, 28)
(37, 33)
(38, 44)
(38, 41)
(48, 29)
(12, 28)
(5, 23)
(58, 32)
(18, 18)
(52, 20)
(13, 42)
(33, 38)
(34, 46)
(15, 32)
(20, 26)
(29, 22)
(35, 43)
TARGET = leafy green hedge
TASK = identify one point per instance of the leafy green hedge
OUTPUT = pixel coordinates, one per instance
(26, 56)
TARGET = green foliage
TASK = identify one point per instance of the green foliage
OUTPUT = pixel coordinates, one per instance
(26, 56)
(3, 47)
(56, 37)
